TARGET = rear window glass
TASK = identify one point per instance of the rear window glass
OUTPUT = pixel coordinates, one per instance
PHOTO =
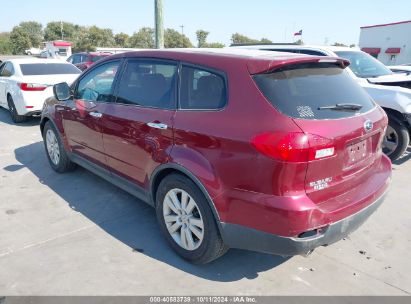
(48, 69)
(96, 58)
(300, 90)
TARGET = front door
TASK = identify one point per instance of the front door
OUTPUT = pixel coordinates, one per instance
(82, 114)
(138, 129)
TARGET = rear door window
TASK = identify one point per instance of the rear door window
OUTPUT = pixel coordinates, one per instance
(149, 83)
(301, 90)
(202, 89)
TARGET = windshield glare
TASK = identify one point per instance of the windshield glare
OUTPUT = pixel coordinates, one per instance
(364, 65)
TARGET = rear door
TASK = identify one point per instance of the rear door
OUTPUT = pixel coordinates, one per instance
(138, 129)
(345, 143)
(82, 115)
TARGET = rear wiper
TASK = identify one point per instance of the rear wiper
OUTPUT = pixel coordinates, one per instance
(342, 107)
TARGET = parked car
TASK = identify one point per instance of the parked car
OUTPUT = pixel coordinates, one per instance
(404, 69)
(26, 83)
(391, 91)
(234, 148)
(84, 60)
(33, 51)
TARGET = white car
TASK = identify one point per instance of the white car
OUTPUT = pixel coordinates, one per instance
(33, 51)
(390, 90)
(26, 83)
(405, 69)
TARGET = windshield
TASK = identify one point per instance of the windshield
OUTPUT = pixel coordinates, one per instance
(309, 91)
(30, 69)
(364, 65)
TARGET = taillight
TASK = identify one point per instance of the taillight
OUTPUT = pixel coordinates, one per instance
(32, 87)
(294, 146)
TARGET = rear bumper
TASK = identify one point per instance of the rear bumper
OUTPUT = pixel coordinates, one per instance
(241, 237)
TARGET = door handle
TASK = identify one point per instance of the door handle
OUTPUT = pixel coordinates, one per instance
(96, 114)
(157, 125)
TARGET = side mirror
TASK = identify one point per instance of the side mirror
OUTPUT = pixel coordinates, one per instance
(62, 91)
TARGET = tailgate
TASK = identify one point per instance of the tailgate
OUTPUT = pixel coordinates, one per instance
(356, 158)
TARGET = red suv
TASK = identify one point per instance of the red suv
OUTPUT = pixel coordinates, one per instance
(276, 153)
(84, 60)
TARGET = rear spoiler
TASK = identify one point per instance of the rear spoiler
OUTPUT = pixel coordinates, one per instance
(261, 66)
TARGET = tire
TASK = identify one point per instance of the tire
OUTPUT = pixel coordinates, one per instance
(53, 145)
(396, 140)
(206, 248)
(13, 111)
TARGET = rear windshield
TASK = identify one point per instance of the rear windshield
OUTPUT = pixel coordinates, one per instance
(97, 58)
(300, 90)
(30, 69)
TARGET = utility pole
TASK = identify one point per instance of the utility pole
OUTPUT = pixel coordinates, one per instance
(61, 30)
(182, 35)
(158, 16)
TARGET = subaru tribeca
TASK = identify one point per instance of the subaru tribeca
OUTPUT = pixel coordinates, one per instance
(271, 152)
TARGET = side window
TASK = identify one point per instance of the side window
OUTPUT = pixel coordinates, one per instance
(149, 84)
(202, 90)
(70, 59)
(97, 85)
(7, 70)
(76, 59)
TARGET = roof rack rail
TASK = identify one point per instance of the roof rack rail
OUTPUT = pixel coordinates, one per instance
(257, 43)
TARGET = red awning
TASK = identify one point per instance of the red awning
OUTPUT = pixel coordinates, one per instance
(393, 51)
(61, 43)
(371, 51)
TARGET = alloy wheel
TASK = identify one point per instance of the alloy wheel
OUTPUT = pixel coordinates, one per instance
(53, 147)
(183, 219)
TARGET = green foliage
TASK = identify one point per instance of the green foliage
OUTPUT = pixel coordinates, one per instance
(143, 39)
(201, 38)
(53, 31)
(173, 39)
(339, 44)
(299, 42)
(240, 39)
(265, 40)
(35, 31)
(215, 45)
(121, 39)
(19, 40)
(5, 44)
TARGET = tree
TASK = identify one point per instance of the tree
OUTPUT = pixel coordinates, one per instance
(35, 32)
(265, 40)
(100, 37)
(143, 39)
(5, 45)
(20, 40)
(121, 39)
(215, 45)
(53, 31)
(299, 42)
(239, 39)
(201, 38)
(173, 39)
(352, 45)
(339, 44)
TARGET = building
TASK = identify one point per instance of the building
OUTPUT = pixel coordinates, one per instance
(58, 49)
(390, 43)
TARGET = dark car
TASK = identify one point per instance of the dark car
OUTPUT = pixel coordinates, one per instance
(84, 60)
(234, 148)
